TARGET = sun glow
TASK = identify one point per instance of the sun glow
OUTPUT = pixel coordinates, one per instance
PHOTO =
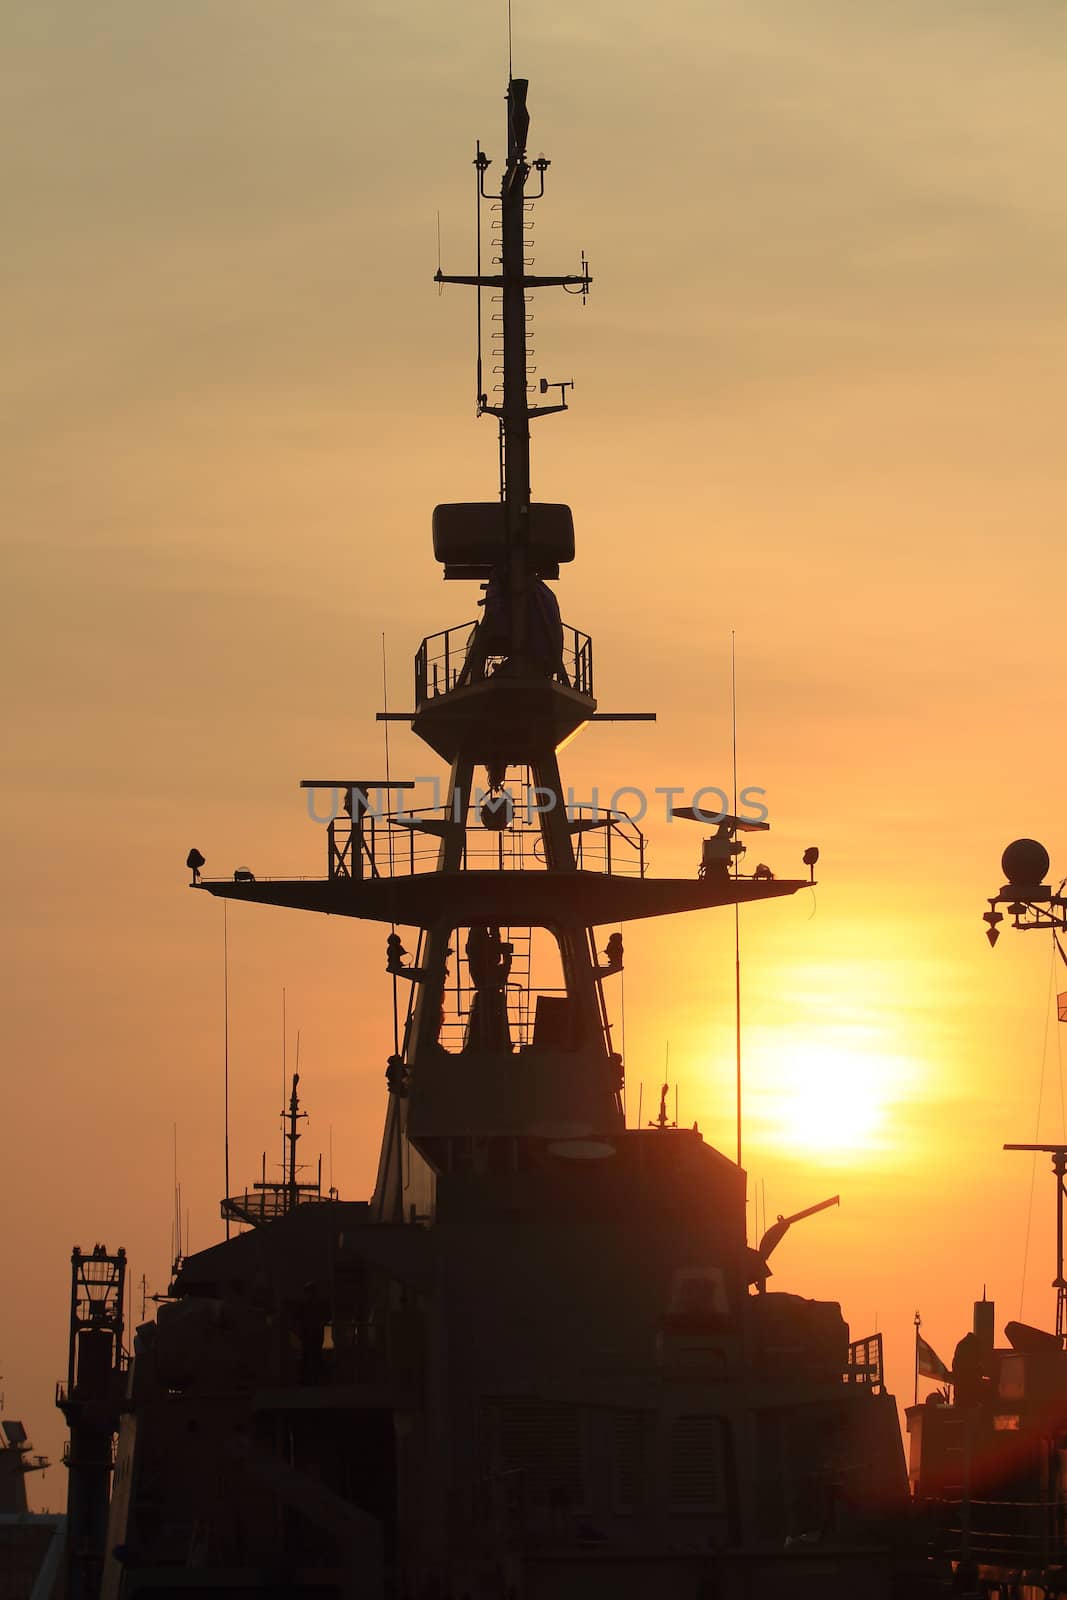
(829, 1099)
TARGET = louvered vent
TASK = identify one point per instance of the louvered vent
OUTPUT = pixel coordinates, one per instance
(543, 1441)
(696, 1466)
(626, 1459)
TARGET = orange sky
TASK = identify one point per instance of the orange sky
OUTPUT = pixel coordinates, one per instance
(819, 400)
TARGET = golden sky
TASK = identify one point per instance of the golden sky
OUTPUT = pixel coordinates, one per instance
(819, 400)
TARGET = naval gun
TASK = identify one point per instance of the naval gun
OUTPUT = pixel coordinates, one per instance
(759, 1259)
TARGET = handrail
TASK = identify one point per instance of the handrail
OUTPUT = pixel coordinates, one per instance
(360, 849)
(865, 1362)
(445, 661)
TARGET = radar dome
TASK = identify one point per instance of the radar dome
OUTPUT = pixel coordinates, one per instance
(1025, 863)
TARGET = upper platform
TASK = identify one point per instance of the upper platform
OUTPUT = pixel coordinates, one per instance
(472, 700)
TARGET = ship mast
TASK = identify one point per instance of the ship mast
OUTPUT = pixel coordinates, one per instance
(515, 412)
(493, 1072)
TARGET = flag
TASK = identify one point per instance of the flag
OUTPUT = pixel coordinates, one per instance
(1061, 1006)
(928, 1364)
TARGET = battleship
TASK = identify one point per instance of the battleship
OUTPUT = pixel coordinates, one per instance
(541, 1358)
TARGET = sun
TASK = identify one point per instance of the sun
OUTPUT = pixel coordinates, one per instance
(829, 1101)
(823, 1099)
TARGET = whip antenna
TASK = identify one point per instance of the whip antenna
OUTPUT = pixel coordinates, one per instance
(737, 909)
(226, 1054)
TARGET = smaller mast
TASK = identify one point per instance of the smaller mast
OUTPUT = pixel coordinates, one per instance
(292, 1134)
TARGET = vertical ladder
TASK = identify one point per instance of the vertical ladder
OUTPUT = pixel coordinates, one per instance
(521, 940)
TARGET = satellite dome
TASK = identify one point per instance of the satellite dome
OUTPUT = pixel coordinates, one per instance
(1025, 863)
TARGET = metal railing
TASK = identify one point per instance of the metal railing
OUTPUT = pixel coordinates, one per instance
(1003, 1534)
(608, 842)
(380, 845)
(440, 660)
(865, 1363)
(578, 649)
(450, 659)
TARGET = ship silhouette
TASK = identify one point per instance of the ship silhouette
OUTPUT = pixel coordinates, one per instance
(542, 1358)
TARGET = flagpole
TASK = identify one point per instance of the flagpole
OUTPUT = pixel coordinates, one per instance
(918, 1325)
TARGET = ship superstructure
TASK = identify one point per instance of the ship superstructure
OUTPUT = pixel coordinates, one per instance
(542, 1359)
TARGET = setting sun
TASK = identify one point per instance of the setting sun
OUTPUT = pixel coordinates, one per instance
(827, 1101)
(831, 1099)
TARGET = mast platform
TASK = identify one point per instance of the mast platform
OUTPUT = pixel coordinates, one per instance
(498, 719)
(534, 898)
(473, 701)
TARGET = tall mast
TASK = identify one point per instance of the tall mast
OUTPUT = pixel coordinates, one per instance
(515, 413)
(515, 421)
(493, 1065)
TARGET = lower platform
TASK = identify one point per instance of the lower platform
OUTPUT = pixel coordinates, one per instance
(526, 899)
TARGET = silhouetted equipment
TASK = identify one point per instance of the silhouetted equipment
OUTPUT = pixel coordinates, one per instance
(394, 960)
(544, 386)
(90, 1401)
(271, 1198)
(724, 819)
(498, 812)
(718, 853)
(471, 540)
(986, 1462)
(663, 1119)
(811, 858)
(1025, 864)
(17, 1461)
(32, 1545)
(1031, 903)
(985, 1322)
(292, 1135)
(721, 852)
(1029, 1340)
(194, 861)
(776, 1233)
